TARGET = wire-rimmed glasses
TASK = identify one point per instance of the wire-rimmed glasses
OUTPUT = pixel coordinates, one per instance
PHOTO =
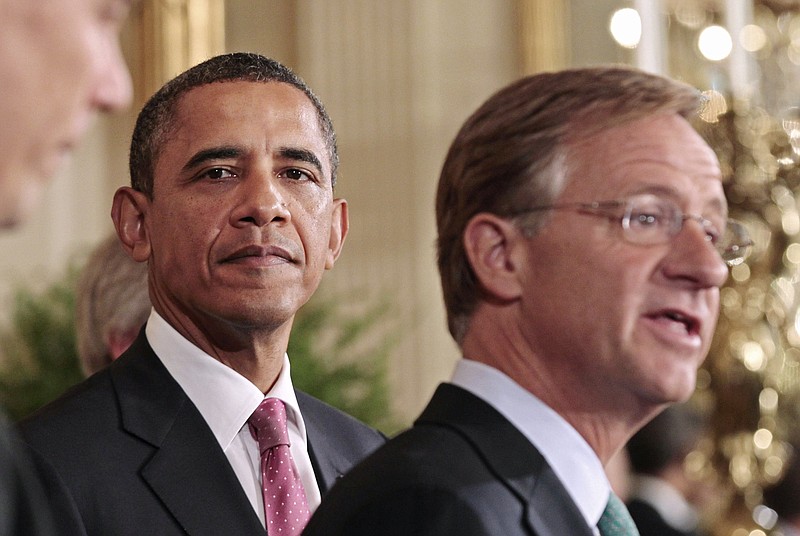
(648, 220)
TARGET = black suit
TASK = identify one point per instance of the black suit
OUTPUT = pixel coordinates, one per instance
(138, 458)
(24, 509)
(650, 523)
(462, 469)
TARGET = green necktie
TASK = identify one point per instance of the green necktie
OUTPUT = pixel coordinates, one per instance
(616, 521)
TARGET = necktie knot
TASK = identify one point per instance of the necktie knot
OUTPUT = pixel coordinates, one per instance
(268, 424)
(616, 520)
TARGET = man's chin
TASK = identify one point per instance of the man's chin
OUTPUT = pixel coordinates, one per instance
(17, 205)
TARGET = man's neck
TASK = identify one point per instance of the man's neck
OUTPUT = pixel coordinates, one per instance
(255, 353)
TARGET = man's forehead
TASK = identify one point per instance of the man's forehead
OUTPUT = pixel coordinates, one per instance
(290, 120)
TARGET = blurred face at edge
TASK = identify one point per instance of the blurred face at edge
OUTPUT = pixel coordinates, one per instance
(60, 63)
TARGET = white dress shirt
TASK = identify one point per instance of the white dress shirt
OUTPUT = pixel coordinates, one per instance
(574, 462)
(226, 399)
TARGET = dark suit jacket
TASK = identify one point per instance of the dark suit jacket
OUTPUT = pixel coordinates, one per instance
(462, 469)
(650, 523)
(136, 456)
(24, 509)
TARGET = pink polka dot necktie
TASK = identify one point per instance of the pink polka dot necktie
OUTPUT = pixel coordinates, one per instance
(285, 505)
(616, 521)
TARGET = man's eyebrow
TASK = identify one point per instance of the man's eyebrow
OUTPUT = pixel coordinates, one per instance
(302, 155)
(716, 204)
(213, 153)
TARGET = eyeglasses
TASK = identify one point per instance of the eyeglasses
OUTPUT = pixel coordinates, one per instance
(649, 220)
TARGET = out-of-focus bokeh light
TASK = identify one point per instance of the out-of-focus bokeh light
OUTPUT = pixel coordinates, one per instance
(753, 38)
(762, 438)
(626, 27)
(715, 43)
(691, 14)
(768, 399)
(753, 356)
(714, 105)
(764, 516)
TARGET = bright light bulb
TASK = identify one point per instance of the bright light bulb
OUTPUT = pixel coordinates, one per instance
(626, 27)
(715, 43)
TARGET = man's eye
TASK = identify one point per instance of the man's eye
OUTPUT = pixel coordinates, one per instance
(218, 173)
(647, 218)
(295, 174)
(712, 232)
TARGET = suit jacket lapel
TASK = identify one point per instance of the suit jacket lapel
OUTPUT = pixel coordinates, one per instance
(329, 461)
(511, 457)
(188, 471)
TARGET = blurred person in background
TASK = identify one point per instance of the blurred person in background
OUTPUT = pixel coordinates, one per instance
(665, 500)
(112, 304)
(60, 64)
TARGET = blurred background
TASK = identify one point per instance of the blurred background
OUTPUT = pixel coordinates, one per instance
(398, 78)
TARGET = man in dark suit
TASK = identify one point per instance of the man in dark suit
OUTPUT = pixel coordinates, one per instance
(666, 500)
(233, 165)
(72, 45)
(582, 240)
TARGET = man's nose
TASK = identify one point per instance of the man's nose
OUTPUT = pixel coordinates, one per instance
(113, 87)
(694, 258)
(262, 201)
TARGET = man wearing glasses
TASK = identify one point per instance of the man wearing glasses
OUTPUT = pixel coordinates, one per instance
(583, 240)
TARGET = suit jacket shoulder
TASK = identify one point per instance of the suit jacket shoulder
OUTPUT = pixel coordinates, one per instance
(336, 441)
(138, 458)
(462, 469)
(136, 455)
(25, 507)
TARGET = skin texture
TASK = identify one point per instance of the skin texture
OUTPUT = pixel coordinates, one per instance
(242, 223)
(576, 314)
(60, 64)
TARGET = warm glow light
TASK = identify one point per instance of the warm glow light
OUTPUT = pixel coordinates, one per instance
(626, 27)
(773, 467)
(740, 272)
(753, 356)
(793, 253)
(768, 398)
(714, 105)
(715, 43)
(790, 221)
(762, 438)
(753, 38)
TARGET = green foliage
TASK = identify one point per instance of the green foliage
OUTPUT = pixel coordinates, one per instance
(336, 356)
(39, 356)
(341, 358)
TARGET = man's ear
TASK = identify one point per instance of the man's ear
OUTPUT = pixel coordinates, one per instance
(492, 247)
(129, 212)
(340, 223)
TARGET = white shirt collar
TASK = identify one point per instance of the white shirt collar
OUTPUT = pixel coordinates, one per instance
(566, 451)
(225, 398)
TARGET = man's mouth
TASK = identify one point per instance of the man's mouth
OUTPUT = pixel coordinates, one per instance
(256, 252)
(678, 320)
